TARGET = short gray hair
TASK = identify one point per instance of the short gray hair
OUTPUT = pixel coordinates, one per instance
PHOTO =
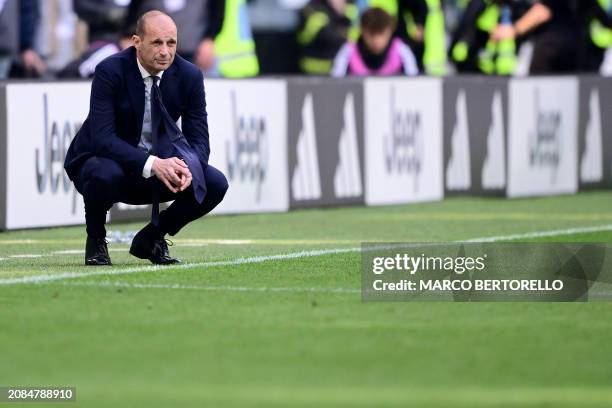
(142, 21)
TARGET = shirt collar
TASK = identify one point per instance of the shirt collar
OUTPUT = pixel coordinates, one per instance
(145, 74)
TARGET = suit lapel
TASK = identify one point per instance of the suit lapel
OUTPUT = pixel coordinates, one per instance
(136, 89)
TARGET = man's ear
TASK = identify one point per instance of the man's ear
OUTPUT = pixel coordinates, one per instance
(136, 41)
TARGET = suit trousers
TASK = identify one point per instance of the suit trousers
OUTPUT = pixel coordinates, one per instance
(103, 182)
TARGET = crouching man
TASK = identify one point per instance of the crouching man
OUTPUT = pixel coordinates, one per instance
(130, 149)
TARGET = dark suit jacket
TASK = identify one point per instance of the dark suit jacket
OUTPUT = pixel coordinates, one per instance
(114, 124)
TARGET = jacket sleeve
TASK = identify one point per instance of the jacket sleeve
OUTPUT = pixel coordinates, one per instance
(466, 29)
(103, 133)
(215, 15)
(29, 15)
(195, 120)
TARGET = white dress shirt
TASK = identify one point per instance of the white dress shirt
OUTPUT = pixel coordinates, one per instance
(145, 136)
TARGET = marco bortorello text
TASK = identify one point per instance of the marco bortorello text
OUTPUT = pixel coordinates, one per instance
(486, 272)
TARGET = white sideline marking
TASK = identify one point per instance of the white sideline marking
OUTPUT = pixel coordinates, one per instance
(69, 252)
(104, 271)
(26, 256)
(227, 241)
(259, 259)
(185, 244)
(265, 241)
(64, 252)
(543, 234)
(82, 251)
(208, 288)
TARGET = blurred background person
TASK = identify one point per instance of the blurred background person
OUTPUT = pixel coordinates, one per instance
(107, 34)
(69, 37)
(85, 65)
(19, 20)
(410, 18)
(473, 50)
(61, 36)
(274, 24)
(377, 51)
(105, 19)
(228, 48)
(9, 29)
(561, 30)
(600, 41)
(215, 34)
(325, 26)
(420, 23)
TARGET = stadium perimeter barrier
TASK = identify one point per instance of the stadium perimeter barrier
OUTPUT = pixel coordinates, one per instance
(298, 142)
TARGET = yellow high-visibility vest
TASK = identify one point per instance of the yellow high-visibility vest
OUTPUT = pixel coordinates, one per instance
(234, 46)
(315, 22)
(390, 6)
(498, 58)
(600, 34)
(434, 57)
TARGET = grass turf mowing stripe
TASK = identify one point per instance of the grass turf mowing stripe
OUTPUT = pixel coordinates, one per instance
(295, 255)
(126, 285)
(367, 396)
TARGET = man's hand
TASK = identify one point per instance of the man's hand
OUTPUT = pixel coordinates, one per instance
(503, 32)
(173, 172)
(205, 54)
(185, 178)
(32, 62)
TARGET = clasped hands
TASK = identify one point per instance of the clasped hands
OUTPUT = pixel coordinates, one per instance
(173, 172)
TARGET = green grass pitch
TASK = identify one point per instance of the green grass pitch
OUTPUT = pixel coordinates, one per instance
(242, 325)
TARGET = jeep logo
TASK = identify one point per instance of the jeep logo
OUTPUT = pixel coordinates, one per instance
(545, 143)
(50, 158)
(247, 153)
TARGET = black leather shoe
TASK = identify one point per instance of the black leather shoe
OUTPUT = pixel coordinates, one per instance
(96, 252)
(155, 249)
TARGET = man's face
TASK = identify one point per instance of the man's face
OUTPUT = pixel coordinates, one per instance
(157, 47)
(377, 42)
